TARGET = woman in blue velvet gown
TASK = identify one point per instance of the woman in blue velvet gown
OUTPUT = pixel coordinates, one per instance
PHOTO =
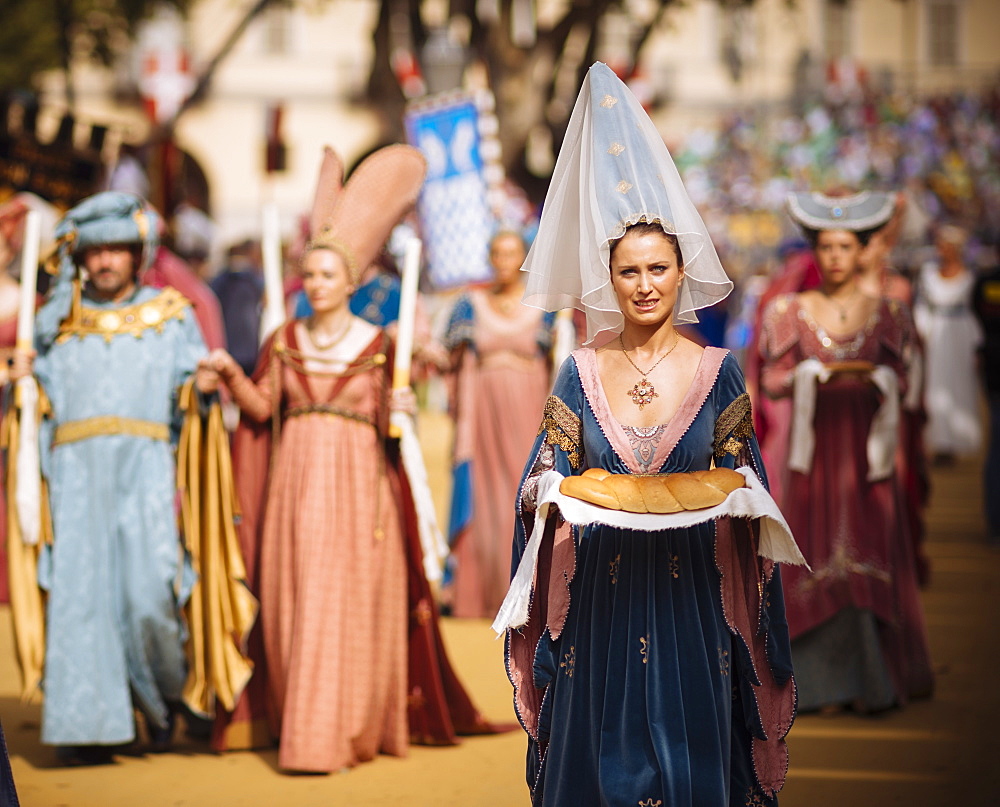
(654, 667)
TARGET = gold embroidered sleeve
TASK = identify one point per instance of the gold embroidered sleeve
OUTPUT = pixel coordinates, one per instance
(734, 427)
(562, 429)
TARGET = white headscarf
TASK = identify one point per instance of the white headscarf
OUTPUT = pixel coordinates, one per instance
(614, 170)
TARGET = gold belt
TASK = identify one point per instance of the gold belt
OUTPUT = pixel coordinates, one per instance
(509, 358)
(75, 430)
(327, 409)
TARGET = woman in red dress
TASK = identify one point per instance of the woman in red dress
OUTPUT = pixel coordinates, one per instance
(857, 628)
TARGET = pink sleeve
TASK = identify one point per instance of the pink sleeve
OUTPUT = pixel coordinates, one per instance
(255, 396)
(777, 340)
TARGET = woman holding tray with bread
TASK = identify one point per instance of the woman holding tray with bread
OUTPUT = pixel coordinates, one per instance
(856, 623)
(646, 636)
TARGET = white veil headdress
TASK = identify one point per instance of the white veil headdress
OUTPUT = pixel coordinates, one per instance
(614, 170)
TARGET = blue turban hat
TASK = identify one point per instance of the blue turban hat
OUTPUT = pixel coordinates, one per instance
(111, 217)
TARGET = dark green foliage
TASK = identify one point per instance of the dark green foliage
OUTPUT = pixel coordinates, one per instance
(37, 35)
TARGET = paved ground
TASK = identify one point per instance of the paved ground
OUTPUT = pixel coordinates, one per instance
(943, 751)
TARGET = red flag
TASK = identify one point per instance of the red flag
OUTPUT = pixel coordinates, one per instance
(275, 156)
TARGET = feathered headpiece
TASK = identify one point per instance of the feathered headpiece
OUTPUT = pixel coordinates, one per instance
(355, 219)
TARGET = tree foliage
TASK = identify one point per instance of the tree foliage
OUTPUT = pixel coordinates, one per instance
(534, 83)
(28, 41)
(39, 35)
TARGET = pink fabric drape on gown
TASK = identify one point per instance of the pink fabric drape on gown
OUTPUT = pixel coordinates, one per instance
(502, 394)
(332, 574)
(854, 533)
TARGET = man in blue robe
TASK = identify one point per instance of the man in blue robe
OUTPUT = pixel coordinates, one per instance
(111, 362)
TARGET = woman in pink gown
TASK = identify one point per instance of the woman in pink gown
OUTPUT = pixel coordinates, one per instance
(353, 663)
(332, 564)
(856, 622)
(501, 352)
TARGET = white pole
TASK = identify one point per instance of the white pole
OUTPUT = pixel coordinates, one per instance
(407, 314)
(27, 494)
(432, 542)
(29, 281)
(274, 287)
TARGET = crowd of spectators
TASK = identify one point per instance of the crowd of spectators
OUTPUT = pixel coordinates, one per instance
(942, 152)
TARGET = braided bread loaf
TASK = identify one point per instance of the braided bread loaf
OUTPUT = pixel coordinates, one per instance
(669, 493)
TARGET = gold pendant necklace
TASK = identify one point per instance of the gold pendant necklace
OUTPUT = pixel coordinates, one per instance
(844, 307)
(322, 346)
(642, 394)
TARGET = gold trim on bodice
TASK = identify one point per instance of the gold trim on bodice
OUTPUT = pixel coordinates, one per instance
(296, 360)
(327, 409)
(72, 431)
(131, 320)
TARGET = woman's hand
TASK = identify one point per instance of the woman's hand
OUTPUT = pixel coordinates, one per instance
(20, 364)
(206, 378)
(220, 361)
(212, 369)
(403, 400)
(433, 354)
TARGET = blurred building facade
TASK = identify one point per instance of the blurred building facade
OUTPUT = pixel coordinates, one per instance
(294, 80)
(710, 56)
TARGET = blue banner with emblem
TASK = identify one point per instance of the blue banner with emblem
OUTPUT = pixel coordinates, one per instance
(455, 217)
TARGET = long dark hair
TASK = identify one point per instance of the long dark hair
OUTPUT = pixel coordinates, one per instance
(812, 236)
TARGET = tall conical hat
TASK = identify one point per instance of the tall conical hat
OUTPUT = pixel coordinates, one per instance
(613, 171)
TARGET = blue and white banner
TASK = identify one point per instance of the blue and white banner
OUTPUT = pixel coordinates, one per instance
(455, 218)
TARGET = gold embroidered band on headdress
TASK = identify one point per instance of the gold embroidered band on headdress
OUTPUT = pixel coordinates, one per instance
(327, 240)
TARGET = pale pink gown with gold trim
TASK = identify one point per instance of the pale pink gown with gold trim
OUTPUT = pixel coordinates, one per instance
(502, 395)
(333, 587)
